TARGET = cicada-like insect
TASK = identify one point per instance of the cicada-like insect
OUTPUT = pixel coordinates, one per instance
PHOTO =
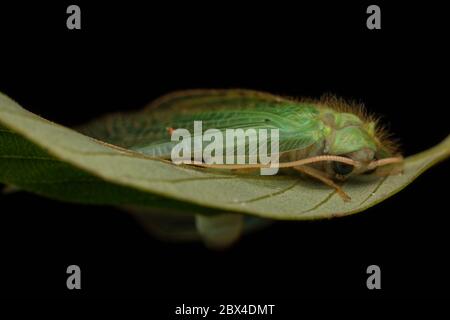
(327, 139)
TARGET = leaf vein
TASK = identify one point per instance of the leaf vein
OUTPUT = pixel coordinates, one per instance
(379, 184)
(273, 194)
(29, 158)
(318, 205)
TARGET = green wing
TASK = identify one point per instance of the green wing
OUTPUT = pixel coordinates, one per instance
(147, 130)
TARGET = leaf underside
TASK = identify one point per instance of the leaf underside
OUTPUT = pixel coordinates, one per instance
(51, 160)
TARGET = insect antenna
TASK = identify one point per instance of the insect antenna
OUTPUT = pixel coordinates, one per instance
(385, 161)
(283, 164)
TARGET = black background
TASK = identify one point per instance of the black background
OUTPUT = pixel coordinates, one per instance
(127, 54)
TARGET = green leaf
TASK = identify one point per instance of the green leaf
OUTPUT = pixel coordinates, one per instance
(51, 160)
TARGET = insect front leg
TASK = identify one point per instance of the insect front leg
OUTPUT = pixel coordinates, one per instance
(321, 176)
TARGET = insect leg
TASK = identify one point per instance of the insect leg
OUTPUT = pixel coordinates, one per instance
(320, 176)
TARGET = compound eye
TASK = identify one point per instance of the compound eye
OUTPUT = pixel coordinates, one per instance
(342, 169)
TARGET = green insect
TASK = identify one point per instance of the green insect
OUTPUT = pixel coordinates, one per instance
(326, 139)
